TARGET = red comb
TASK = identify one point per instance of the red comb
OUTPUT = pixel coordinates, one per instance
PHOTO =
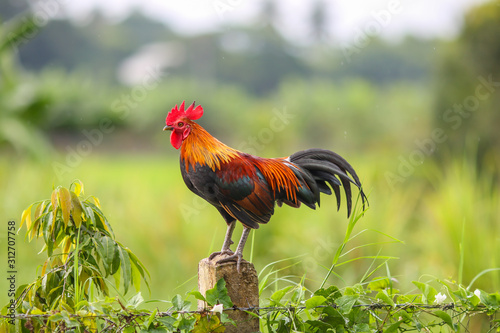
(192, 113)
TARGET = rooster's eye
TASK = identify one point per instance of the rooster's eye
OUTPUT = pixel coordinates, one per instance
(180, 124)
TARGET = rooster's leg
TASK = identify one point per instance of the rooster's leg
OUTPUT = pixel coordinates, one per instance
(227, 242)
(239, 250)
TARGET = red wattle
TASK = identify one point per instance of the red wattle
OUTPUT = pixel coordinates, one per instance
(176, 139)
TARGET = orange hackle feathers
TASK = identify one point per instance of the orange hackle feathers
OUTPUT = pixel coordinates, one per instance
(203, 149)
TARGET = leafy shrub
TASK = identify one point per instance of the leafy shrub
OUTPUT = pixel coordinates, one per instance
(82, 252)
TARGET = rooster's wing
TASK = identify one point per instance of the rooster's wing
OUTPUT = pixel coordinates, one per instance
(237, 189)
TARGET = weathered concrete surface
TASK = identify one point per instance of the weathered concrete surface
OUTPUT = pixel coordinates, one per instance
(243, 288)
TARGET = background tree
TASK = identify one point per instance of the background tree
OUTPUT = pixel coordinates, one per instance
(319, 21)
(467, 118)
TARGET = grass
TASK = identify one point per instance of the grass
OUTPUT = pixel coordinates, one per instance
(435, 212)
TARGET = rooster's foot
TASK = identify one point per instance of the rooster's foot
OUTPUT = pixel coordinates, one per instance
(226, 252)
(235, 257)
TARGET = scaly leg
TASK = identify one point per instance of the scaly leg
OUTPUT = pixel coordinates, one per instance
(239, 250)
(227, 242)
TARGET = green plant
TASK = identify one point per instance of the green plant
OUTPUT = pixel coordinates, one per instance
(339, 253)
(82, 254)
(375, 306)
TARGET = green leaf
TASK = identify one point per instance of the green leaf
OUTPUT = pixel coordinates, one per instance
(56, 317)
(20, 290)
(278, 295)
(136, 277)
(125, 267)
(384, 297)
(65, 201)
(48, 220)
(491, 301)
(361, 328)
(356, 289)
(223, 293)
(394, 327)
(116, 277)
(168, 322)
(129, 329)
(358, 316)
(135, 301)
(224, 317)
(78, 187)
(187, 324)
(179, 304)
(98, 219)
(379, 283)
(77, 209)
(54, 201)
(115, 265)
(405, 315)
(298, 294)
(428, 291)
(219, 295)
(314, 302)
(331, 293)
(446, 318)
(346, 302)
(108, 250)
(319, 325)
(197, 295)
(26, 216)
(90, 213)
(140, 267)
(147, 323)
(39, 210)
(410, 298)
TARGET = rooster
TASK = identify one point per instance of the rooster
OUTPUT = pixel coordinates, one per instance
(244, 187)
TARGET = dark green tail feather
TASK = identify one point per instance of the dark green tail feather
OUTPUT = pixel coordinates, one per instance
(324, 166)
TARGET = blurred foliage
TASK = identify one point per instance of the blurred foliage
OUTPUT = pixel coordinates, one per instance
(467, 107)
(98, 45)
(74, 76)
(21, 103)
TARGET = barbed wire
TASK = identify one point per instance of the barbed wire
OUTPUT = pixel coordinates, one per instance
(169, 313)
(124, 317)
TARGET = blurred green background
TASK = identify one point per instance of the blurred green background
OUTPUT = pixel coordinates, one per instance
(417, 118)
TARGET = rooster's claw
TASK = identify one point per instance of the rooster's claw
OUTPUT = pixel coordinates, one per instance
(235, 257)
(227, 252)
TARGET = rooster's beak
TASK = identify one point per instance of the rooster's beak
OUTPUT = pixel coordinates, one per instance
(168, 128)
